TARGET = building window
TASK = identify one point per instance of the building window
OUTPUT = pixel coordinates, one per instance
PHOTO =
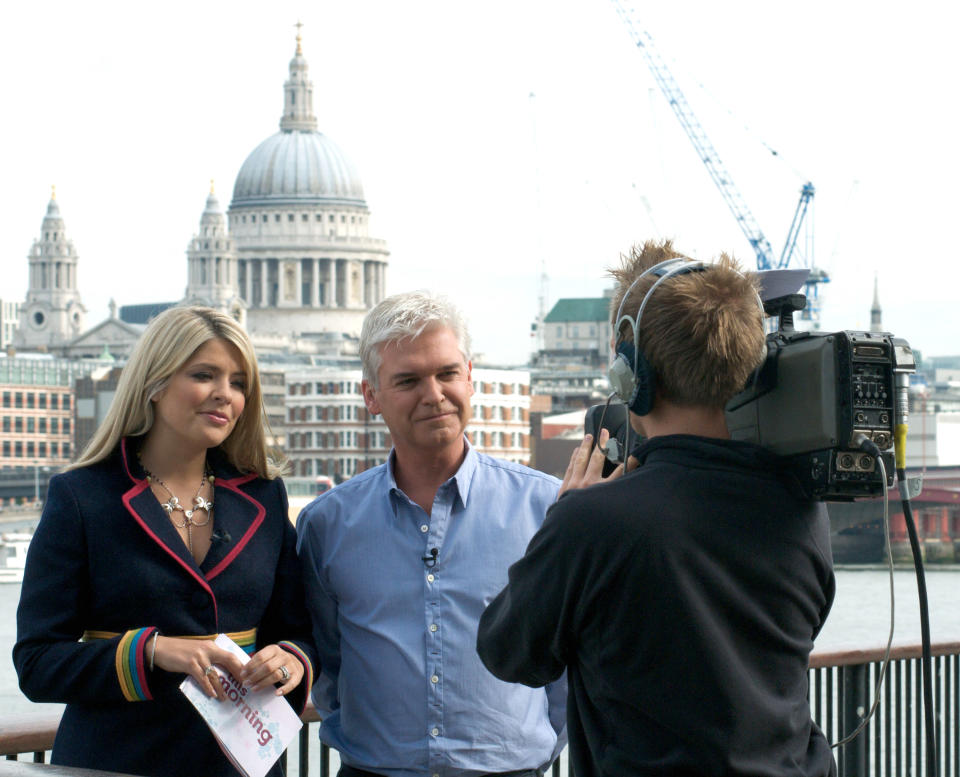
(6, 423)
(66, 450)
(42, 450)
(54, 401)
(331, 217)
(18, 399)
(42, 400)
(55, 449)
(30, 425)
(289, 217)
(54, 426)
(305, 217)
(18, 450)
(66, 426)
(276, 217)
(42, 425)
(30, 449)
(18, 425)
(6, 399)
(65, 404)
(6, 449)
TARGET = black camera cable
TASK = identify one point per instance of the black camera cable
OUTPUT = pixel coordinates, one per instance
(927, 675)
(900, 436)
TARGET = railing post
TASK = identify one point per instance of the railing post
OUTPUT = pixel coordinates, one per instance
(324, 760)
(854, 679)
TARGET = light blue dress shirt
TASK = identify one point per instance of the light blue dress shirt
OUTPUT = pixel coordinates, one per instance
(402, 690)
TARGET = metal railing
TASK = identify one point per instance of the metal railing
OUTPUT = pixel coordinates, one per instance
(893, 743)
(841, 693)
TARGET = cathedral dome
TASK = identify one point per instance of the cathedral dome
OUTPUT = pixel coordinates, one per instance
(296, 166)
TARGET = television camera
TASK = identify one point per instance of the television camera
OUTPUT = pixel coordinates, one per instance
(814, 401)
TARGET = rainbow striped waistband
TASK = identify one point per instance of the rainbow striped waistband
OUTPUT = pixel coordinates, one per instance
(245, 639)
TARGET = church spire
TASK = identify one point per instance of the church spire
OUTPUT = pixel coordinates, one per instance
(212, 263)
(53, 313)
(298, 94)
(876, 312)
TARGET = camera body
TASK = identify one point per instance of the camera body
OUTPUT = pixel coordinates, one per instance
(817, 396)
(813, 400)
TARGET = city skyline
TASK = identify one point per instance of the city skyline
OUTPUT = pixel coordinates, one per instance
(472, 181)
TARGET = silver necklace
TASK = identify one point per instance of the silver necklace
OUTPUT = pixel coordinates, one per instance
(173, 504)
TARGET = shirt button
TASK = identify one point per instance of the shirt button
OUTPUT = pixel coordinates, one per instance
(430, 578)
(434, 732)
(424, 528)
(433, 627)
(434, 679)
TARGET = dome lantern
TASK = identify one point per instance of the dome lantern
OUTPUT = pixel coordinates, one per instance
(298, 95)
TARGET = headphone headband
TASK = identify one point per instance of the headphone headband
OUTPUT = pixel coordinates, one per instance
(631, 374)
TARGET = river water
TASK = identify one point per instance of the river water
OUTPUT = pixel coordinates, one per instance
(860, 619)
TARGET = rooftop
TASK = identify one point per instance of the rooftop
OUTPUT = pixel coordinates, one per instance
(579, 309)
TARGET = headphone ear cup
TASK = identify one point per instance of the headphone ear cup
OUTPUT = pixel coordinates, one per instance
(635, 388)
(620, 373)
(645, 384)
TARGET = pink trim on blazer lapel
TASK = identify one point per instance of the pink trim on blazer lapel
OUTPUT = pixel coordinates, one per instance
(139, 488)
(233, 485)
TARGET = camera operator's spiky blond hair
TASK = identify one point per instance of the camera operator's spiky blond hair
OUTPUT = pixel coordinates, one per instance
(702, 332)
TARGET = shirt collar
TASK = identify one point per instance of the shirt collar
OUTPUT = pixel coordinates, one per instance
(462, 478)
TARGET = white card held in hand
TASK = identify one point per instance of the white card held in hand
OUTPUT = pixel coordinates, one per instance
(253, 728)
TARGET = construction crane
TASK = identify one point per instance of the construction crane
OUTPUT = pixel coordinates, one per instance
(766, 259)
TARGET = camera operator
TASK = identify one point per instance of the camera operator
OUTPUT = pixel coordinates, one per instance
(683, 596)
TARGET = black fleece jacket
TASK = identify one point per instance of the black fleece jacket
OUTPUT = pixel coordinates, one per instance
(683, 599)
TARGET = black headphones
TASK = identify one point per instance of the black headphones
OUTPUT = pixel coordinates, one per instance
(631, 375)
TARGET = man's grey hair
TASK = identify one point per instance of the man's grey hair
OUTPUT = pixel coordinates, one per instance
(404, 317)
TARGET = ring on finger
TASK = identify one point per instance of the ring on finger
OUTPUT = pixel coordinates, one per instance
(209, 668)
(284, 673)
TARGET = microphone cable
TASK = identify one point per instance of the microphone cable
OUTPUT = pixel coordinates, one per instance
(900, 449)
(870, 447)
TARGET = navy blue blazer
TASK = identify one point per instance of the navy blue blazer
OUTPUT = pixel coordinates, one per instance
(106, 569)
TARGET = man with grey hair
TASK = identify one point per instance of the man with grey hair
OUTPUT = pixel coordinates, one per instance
(400, 561)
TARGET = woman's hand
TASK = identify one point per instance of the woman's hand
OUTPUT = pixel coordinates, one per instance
(269, 666)
(197, 657)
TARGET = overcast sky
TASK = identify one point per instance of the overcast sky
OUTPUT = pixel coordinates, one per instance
(131, 108)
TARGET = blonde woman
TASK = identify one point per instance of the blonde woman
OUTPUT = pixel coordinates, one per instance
(171, 528)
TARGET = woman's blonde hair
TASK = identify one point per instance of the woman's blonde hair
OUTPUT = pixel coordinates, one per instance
(164, 347)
